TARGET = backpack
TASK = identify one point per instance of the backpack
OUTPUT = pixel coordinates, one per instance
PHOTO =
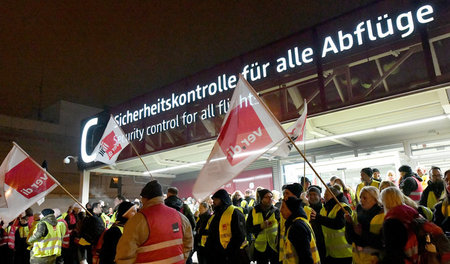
(433, 245)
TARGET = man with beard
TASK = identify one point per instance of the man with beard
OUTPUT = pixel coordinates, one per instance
(435, 189)
(263, 223)
(225, 230)
(315, 202)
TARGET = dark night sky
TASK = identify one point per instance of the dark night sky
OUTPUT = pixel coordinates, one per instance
(102, 53)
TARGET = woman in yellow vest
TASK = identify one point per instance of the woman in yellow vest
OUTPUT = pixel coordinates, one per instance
(332, 219)
(299, 240)
(364, 232)
(263, 223)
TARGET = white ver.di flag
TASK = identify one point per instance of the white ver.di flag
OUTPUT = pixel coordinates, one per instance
(112, 143)
(248, 130)
(295, 131)
(24, 183)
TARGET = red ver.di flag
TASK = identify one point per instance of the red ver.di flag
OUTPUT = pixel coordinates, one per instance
(295, 131)
(24, 183)
(112, 143)
(248, 130)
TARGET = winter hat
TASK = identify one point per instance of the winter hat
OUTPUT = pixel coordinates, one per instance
(263, 192)
(405, 168)
(367, 171)
(151, 190)
(122, 209)
(223, 195)
(47, 211)
(375, 170)
(315, 188)
(294, 188)
(304, 179)
(293, 204)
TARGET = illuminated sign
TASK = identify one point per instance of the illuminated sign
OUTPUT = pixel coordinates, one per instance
(188, 102)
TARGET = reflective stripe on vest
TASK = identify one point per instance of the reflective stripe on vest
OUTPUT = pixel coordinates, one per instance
(224, 227)
(51, 244)
(11, 240)
(66, 235)
(290, 256)
(335, 242)
(268, 235)
(165, 242)
(415, 195)
(24, 231)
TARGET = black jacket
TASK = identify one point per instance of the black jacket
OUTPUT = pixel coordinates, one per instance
(299, 236)
(92, 228)
(408, 184)
(436, 187)
(178, 204)
(366, 239)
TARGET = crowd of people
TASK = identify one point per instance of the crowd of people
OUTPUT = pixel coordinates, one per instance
(380, 221)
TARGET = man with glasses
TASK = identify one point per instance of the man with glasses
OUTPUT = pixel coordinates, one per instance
(263, 223)
(435, 189)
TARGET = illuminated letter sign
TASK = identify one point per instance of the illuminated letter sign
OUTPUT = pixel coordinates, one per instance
(84, 156)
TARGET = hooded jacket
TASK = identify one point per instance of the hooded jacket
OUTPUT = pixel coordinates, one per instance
(41, 229)
(178, 204)
(299, 236)
(213, 245)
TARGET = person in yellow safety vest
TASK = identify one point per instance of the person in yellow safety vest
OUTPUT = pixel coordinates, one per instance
(46, 239)
(332, 219)
(364, 232)
(289, 190)
(435, 190)
(249, 199)
(238, 200)
(442, 209)
(111, 237)
(424, 176)
(299, 240)
(315, 202)
(225, 231)
(156, 234)
(205, 212)
(366, 180)
(263, 223)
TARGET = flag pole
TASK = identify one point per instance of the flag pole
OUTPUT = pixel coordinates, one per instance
(252, 90)
(53, 178)
(304, 163)
(135, 150)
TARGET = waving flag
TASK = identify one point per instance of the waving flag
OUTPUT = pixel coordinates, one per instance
(112, 143)
(248, 130)
(24, 183)
(295, 131)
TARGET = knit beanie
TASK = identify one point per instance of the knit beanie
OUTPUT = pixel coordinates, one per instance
(293, 204)
(405, 168)
(151, 190)
(315, 188)
(47, 211)
(367, 171)
(335, 189)
(294, 188)
(263, 192)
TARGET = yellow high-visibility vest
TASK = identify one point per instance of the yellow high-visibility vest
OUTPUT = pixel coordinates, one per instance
(335, 242)
(267, 235)
(290, 256)
(224, 227)
(51, 244)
